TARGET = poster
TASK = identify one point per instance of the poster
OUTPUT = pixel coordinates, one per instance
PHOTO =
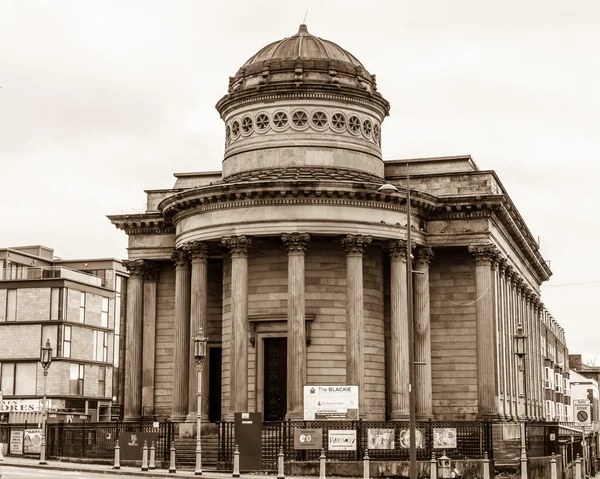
(381, 439)
(444, 437)
(404, 439)
(330, 403)
(32, 443)
(16, 442)
(308, 438)
(341, 440)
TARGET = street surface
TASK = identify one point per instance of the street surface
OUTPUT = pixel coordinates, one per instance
(10, 472)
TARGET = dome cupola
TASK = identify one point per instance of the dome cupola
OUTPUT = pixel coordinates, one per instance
(303, 102)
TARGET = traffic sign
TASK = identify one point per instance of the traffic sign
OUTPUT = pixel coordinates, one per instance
(582, 412)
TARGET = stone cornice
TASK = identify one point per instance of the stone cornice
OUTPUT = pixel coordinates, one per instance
(142, 223)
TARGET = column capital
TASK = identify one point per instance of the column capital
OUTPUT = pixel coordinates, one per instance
(180, 257)
(356, 244)
(502, 264)
(135, 266)
(295, 242)
(397, 248)
(424, 256)
(237, 245)
(151, 270)
(483, 253)
(197, 250)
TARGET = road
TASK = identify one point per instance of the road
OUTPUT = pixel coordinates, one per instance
(11, 472)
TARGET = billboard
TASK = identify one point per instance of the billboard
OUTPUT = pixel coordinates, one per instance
(330, 403)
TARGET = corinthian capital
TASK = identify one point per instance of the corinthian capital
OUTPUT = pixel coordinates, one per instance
(483, 253)
(135, 267)
(180, 257)
(237, 245)
(397, 248)
(295, 242)
(424, 256)
(197, 250)
(356, 244)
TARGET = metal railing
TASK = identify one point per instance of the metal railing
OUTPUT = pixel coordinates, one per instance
(473, 440)
(50, 272)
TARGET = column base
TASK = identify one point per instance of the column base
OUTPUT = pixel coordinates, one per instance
(132, 418)
(399, 417)
(178, 417)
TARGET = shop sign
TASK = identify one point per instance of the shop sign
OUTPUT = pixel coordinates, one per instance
(22, 405)
(330, 403)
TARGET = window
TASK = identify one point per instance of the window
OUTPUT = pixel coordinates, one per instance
(66, 342)
(50, 331)
(82, 308)
(354, 124)
(104, 316)
(262, 122)
(102, 381)
(568, 413)
(100, 347)
(543, 344)
(247, 124)
(558, 383)
(566, 387)
(299, 118)
(550, 411)
(280, 119)
(559, 410)
(11, 304)
(76, 380)
(548, 378)
(18, 379)
(57, 302)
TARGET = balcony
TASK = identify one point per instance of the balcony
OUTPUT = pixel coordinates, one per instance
(50, 272)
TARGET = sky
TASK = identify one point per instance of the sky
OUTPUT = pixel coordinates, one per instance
(101, 100)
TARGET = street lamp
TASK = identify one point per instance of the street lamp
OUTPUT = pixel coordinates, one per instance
(45, 359)
(520, 340)
(199, 355)
(412, 426)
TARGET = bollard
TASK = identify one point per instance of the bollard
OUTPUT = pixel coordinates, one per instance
(152, 464)
(577, 467)
(433, 467)
(236, 462)
(280, 458)
(553, 467)
(322, 464)
(117, 456)
(523, 463)
(172, 467)
(486, 466)
(366, 465)
(145, 456)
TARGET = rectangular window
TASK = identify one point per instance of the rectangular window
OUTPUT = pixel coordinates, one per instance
(18, 379)
(57, 296)
(8, 378)
(543, 344)
(104, 317)
(82, 308)
(11, 304)
(66, 344)
(550, 410)
(50, 331)
(558, 382)
(116, 351)
(566, 387)
(548, 378)
(100, 346)
(102, 381)
(76, 380)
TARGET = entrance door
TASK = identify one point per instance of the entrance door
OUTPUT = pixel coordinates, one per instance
(214, 384)
(275, 379)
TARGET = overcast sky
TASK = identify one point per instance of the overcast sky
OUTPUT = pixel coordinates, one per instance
(101, 100)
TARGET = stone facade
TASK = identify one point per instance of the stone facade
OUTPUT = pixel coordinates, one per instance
(294, 263)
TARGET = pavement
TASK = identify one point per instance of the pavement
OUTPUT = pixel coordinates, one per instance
(33, 463)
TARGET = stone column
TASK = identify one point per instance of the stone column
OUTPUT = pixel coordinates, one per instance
(296, 244)
(502, 338)
(355, 246)
(133, 354)
(198, 319)
(486, 334)
(181, 346)
(510, 331)
(238, 246)
(422, 333)
(149, 340)
(399, 344)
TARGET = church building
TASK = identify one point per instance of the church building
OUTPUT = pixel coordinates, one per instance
(294, 264)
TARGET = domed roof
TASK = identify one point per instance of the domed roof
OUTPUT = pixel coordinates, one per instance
(305, 46)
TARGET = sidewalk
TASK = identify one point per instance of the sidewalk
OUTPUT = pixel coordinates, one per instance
(125, 470)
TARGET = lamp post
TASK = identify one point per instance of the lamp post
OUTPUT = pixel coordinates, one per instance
(199, 355)
(45, 359)
(412, 427)
(520, 340)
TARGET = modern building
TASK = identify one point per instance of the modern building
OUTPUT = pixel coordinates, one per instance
(79, 306)
(584, 382)
(293, 262)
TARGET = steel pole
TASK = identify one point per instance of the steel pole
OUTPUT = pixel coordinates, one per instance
(198, 471)
(43, 445)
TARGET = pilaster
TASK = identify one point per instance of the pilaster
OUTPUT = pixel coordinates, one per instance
(296, 244)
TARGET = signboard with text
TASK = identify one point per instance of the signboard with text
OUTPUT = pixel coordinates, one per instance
(131, 443)
(305, 438)
(341, 440)
(381, 439)
(32, 442)
(22, 405)
(16, 442)
(582, 412)
(330, 403)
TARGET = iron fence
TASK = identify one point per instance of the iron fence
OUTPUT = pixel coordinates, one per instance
(473, 440)
(97, 440)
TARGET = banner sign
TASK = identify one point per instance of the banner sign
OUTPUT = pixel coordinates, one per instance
(341, 440)
(330, 403)
(16, 442)
(308, 438)
(22, 405)
(444, 437)
(381, 439)
(581, 412)
(32, 444)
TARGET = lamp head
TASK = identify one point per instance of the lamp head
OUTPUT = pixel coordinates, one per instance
(388, 188)
(46, 355)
